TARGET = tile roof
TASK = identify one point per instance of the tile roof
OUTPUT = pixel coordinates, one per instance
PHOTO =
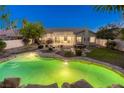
(9, 33)
(75, 30)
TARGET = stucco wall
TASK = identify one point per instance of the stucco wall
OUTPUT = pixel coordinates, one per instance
(101, 42)
(120, 44)
(58, 38)
(13, 44)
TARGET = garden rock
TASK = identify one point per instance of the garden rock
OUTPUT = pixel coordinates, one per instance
(11, 82)
(81, 84)
(66, 85)
(42, 86)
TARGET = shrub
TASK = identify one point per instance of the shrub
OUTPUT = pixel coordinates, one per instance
(122, 34)
(40, 46)
(79, 46)
(26, 41)
(78, 52)
(46, 45)
(111, 44)
(49, 41)
(37, 41)
(50, 49)
(68, 54)
(61, 46)
(2, 45)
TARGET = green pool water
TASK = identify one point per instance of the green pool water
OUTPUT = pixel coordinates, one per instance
(33, 69)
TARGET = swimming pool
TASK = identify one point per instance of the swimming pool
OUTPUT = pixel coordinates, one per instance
(33, 69)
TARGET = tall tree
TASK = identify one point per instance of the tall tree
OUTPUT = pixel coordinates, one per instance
(32, 31)
(109, 31)
(5, 20)
(4, 17)
(112, 8)
(2, 7)
(24, 22)
(13, 24)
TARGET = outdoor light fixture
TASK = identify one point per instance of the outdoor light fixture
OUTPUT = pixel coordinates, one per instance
(65, 62)
(31, 55)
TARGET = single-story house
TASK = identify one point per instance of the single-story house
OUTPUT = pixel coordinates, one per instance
(59, 36)
(12, 38)
(9, 34)
(69, 36)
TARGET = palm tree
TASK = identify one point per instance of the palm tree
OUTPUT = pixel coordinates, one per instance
(13, 24)
(113, 8)
(2, 7)
(5, 19)
(4, 16)
(110, 8)
(24, 22)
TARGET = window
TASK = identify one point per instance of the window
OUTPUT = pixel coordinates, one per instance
(65, 38)
(57, 40)
(92, 39)
(78, 39)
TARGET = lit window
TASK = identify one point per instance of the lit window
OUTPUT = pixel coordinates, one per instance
(92, 39)
(65, 38)
(78, 39)
(57, 40)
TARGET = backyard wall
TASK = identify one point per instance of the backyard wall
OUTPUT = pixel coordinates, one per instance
(120, 44)
(13, 44)
(101, 42)
(92, 39)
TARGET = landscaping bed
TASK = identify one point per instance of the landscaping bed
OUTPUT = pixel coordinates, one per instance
(11, 53)
(107, 55)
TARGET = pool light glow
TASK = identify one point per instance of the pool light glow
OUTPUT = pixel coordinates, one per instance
(65, 62)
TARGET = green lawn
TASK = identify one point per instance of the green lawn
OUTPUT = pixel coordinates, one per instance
(110, 56)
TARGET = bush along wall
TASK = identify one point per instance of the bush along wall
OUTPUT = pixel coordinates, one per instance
(2, 45)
